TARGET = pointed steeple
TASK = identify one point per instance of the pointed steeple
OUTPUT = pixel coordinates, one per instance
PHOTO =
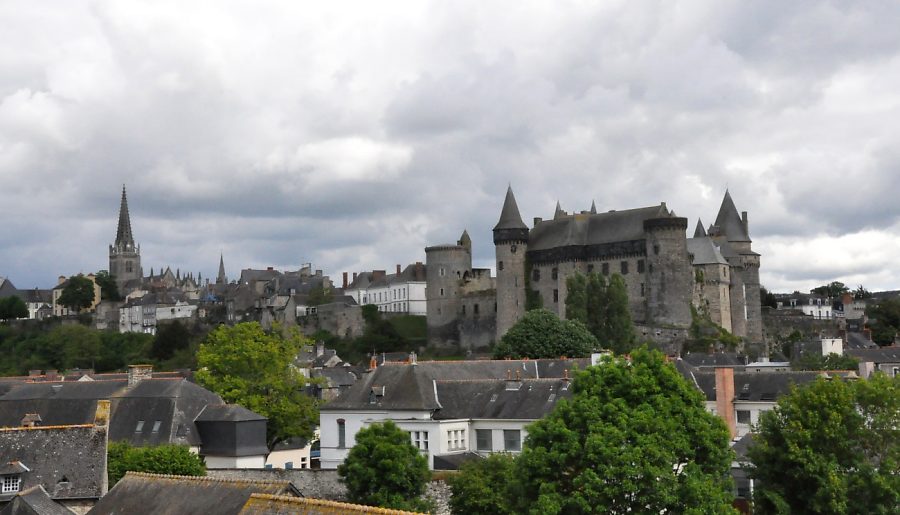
(729, 221)
(699, 232)
(558, 213)
(593, 208)
(220, 279)
(124, 238)
(465, 240)
(509, 215)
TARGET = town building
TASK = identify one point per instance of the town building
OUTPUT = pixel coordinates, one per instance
(401, 292)
(59, 310)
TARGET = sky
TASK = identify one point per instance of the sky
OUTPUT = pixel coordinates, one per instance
(350, 135)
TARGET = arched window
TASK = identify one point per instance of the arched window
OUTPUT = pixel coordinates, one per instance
(342, 433)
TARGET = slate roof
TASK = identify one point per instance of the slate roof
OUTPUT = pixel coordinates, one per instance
(741, 447)
(729, 221)
(716, 359)
(756, 386)
(265, 504)
(705, 251)
(69, 461)
(879, 355)
(227, 412)
(454, 461)
(34, 501)
(529, 399)
(37, 295)
(589, 229)
(510, 218)
(401, 386)
(154, 493)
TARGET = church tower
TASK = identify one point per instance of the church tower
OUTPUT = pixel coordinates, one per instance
(221, 279)
(511, 243)
(124, 255)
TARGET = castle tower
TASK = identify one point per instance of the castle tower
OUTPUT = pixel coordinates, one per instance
(669, 274)
(446, 266)
(511, 244)
(732, 232)
(221, 279)
(124, 255)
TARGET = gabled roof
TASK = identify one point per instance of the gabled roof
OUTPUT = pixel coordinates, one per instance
(227, 413)
(879, 355)
(756, 386)
(528, 399)
(34, 501)
(265, 504)
(716, 359)
(509, 215)
(172, 495)
(729, 221)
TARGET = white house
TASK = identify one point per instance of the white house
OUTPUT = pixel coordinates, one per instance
(400, 292)
(453, 411)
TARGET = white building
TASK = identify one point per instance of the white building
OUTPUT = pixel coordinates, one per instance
(143, 314)
(453, 411)
(400, 292)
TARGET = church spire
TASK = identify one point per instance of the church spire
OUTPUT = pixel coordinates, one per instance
(124, 238)
(593, 207)
(220, 279)
(558, 213)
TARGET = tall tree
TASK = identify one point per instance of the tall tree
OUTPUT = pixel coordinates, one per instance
(884, 320)
(485, 487)
(619, 327)
(156, 459)
(13, 307)
(169, 338)
(108, 288)
(861, 293)
(384, 469)
(833, 289)
(830, 447)
(541, 334)
(634, 438)
(78, 294)
(252, 367)
(576, 298)
(596, 307)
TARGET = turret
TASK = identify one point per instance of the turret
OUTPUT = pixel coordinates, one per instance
(511, 244)
(668, 271)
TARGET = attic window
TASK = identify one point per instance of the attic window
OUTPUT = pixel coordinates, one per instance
(552, 397)
(156, 425)
(745, 393)
(10, 484)
(140, 426)
(494, 398)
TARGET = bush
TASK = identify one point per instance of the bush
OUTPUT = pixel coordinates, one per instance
(541, 334)
(161, 459)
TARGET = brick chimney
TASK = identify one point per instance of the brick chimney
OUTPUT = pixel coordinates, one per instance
(725, 397)
(101, 430)
(354, 276)
(377, 274)
(345, 280)
(137, 373)
(398, 268)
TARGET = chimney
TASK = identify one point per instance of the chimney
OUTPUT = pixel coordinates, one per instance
(537, 220)
(320, 348)
(345, 280)
(866, 369)
(377, 274)
(101, 416)
(744, 222)
(725, 397)
(269, 268)
(413, 359)
(354, 276)
(101, 429)
(847, 299)
(31, 420)
(398, 269)
(373, 363)
(137, 373)
(866, 332)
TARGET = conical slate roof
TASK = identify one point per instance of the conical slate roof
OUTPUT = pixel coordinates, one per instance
(221, 277)
(729, 221)
(123, 233)
(699, 232)
(465, 240)
(509, 216)
(558, 213)
(593, 207)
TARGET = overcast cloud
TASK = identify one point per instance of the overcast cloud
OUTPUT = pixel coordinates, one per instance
(353, 134)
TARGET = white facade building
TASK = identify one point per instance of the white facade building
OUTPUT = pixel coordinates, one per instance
(401, 292)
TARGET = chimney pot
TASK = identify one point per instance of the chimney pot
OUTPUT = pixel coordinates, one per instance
(345, 279)
(269, 268)
(398, 269)
(137, 373)
(354, 276)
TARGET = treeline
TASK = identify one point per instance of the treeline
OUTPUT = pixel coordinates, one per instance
(402, 333)
(68, 346)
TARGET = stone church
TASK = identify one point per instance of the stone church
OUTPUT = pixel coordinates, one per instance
(665, 272)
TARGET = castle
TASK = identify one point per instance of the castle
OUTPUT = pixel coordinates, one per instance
(665, 273)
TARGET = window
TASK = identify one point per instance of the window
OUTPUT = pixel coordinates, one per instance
(442, 292)
(156, 425)
(419, 439)
(128, 267)
(456, 439)
(623, 266)
(342, 433)
(555, 295)
(499, 265)
(140, 426)
(590, 269)
(536, 275)
(554, 274)
(513, 248)
(10, 484)
(743, 416)
(604, 268)
(442, 272)
(463, 309)
(642, 289)
(289, 465)
(512, 440)
(640, 266)
(475, 309)
(483, 440)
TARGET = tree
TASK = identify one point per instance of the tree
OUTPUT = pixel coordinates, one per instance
(833, 289)
(541, 334)
(619, 328)
(635, 437)
(252, 367)
(861, 293)
(78, 294)
(384, 469)
(109, 290)
(319, 295)
(813, 361)
(576, 298)
(884, 320)
(485, 487)
(596, 307)
(13, 307)
(159, 459)
(832, 446)
(170, 338)
(767, 298)
(80, 344)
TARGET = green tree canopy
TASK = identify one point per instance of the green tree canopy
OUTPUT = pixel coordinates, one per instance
(158, 459)
(109, 290)
(384, 469)
(13, 307)
(485, 487)
(832, 446)
(252, 367)
(813, 361)
(833, 289)
(576, 298)
(619, 327)
(634, 438)
(603, 308)
(885, 320)
(170, 337)
(861, 293)
(78, 294)
(541, 334)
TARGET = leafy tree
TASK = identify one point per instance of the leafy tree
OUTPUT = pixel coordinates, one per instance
(384, 469)
(885, 320)
(634, 438)
(78, 294)
(380, 334)
(109, 290)
(830, 447)
(13, 307)
(704, 333)
(619, 328)
(80, 344)
(833, 289)
(767, 298)
(596, 307)
(541, 334)
(160, 459)
(320, 295)
(249, 366)
(813, 361)
(485, 487)
(170, 338)
(576, 298)
(117, 350)
(861, 293)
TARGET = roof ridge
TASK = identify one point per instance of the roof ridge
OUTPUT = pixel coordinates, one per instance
(326, 503)
(150, 475)
(34, 428)
(498, 379)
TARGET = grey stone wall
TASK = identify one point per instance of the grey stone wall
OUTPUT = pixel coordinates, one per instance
(670, 275)
(446, 266)
(477, 324)
(510, 284)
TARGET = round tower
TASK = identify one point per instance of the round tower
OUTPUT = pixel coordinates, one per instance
(669, 272)
(445, 267)
(511, 244)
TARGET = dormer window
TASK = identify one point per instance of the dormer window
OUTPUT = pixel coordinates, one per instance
(10, 484)
(156, 426)
(139, 427)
